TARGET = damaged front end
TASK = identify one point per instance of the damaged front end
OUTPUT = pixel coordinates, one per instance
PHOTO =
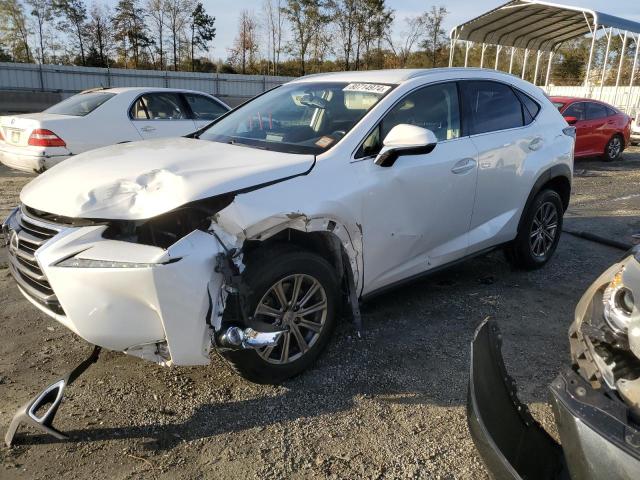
(596, 402)
(155, 289)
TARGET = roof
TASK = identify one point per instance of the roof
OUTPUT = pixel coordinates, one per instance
(392, 76)
(139, 89)
(536, 25)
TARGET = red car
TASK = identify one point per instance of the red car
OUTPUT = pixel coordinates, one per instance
(601, 129)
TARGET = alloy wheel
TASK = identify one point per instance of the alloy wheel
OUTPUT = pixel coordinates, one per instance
(544, 229)
(298, 305)
(614, 148)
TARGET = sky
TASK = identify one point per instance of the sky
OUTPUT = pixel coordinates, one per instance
(227, 12)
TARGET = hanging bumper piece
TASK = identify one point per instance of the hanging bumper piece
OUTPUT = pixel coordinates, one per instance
(51, 397)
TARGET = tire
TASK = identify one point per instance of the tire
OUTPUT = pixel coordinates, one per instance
(533, 247)
(614, 149)
(286, 265)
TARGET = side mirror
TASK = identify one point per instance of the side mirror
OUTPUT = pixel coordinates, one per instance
(571, 120)
(405, 139)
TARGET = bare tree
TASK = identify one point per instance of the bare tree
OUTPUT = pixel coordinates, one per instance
(411, 35)
(245, 45)
(347, 16)
(274, 23)
(100, 35)
(73, 16)
(306, 18)
(157, 13)
(41, 12)
(435, 36)
(14, 30)
(178, 13)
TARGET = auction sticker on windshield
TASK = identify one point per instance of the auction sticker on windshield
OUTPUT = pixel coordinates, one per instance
(367, 87)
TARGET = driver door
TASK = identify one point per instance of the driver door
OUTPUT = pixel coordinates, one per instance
(416, 213)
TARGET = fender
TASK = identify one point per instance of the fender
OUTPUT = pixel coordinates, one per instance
(560, 170)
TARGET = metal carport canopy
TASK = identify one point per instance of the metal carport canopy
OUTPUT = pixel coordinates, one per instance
(536, 25)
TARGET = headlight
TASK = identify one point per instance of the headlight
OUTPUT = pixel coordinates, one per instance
(88, 263)
(619, 304)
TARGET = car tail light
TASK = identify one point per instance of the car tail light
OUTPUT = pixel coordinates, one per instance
(42, 137)
(569, 131)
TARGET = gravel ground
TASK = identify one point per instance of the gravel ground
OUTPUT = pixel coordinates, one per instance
(389, 405)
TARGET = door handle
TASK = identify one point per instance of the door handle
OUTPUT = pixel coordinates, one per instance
(148, 129)
(464, 165)
(536, 144)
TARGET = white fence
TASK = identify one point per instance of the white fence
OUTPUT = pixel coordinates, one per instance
(625, 98)
(70, 79)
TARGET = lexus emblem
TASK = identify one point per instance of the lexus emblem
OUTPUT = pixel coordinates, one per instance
(14, 242)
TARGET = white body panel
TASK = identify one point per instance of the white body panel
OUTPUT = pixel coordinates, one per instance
(108, 124)
(394, 222)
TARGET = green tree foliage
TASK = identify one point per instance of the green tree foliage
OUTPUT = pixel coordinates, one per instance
(202, 31)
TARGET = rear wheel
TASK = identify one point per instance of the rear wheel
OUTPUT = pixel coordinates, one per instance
(295, 291)
(539, 232)
(614, 148)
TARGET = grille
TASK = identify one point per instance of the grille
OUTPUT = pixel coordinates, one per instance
(29, 235)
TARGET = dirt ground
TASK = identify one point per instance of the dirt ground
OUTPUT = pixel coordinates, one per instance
(389, 405)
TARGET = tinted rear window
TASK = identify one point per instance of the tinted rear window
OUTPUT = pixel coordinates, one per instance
(530, 107)
(81, 104)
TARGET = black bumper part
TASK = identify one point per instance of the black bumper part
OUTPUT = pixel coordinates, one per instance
(598, 439)
(511, 443)
(51, 397)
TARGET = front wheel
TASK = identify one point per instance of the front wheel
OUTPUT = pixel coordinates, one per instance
(539, 232)
(296, 291)
(614, 148)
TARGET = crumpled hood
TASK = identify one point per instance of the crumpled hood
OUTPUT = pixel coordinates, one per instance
(135, 181)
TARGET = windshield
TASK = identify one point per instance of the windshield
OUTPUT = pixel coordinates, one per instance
(298, 117)
(81, 104)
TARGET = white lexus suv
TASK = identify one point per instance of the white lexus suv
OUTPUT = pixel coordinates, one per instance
(250, 235)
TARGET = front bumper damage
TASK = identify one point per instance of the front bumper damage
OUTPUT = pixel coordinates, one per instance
(162, 305)
(598, 438)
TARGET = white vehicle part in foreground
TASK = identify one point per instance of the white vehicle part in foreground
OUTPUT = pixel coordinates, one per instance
(127, 309)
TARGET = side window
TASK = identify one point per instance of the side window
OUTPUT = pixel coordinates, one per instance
(531, 108)
(434, 107)
(578, 110)
(158, 106)
(490, 106)
(204, 108)
(595, 111)
(611, 112)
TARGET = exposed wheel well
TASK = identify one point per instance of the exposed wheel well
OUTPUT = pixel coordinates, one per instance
(324, 244)
(562, 186)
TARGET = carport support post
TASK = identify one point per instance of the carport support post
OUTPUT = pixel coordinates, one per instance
(513, 51)
(624, 44)
(606, 60)
(535, 74)
(466, 54)
(498, 50)
(452, 47)
(593, 46)
(633, 69)
(546, 82)
(484, 48)
(524, 62)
